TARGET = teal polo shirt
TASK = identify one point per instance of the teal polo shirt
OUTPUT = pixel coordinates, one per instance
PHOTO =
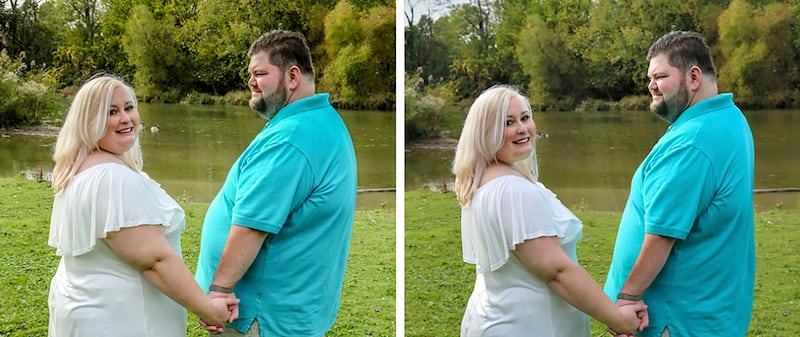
(296, 181)
(696, 186)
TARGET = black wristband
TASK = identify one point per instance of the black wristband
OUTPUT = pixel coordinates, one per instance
(220, 289)
(628, 297)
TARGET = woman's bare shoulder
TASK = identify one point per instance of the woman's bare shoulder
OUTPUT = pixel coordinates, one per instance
(495, 171)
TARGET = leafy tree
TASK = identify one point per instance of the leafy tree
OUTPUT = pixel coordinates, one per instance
(742, 50)
(553, 80)
(361, 73)
(426, 53)
(471, 42)
(174, 47)
(217, 40)
(511, 16)
(556, 72)
(616, 40)
(754, 44)
(364, 5)
(114, 20)
(152, 49)
(81, 52)
(299, 15)
(781, 60)
(22, 30)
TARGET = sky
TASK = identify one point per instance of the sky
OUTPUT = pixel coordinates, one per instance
(432, 8)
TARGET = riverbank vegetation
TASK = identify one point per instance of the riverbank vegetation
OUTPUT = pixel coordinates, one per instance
(590, 55)
(368, 298)
(196, 51)
(438, 283)
(25, 97)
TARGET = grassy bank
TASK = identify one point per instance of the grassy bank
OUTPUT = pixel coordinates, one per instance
(368, 300)
(438, 284)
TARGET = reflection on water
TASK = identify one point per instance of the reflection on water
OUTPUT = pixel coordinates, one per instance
(589, 157)
(196, 145)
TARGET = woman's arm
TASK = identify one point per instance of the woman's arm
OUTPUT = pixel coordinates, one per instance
(145, 247)
(545, 258)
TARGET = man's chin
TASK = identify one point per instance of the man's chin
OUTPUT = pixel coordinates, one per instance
(658, 108)
(257, 104)
(264, 112)
(263, 109)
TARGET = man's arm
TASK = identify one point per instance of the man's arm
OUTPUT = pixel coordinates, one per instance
(652, 257)
(240, 251)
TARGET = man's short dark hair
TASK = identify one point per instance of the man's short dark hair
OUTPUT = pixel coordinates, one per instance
(684, 50)
(285, 49)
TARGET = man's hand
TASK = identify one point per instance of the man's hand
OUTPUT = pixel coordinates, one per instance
(232, 308)
(642, 314)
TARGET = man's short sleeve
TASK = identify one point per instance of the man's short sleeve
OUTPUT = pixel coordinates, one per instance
(273, 182)
(676, 187)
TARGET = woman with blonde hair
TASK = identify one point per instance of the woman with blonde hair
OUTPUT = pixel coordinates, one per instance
(519, 235)
(117, 232)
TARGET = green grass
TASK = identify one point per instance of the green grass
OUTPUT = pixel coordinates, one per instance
(28, 264)
(438, 283)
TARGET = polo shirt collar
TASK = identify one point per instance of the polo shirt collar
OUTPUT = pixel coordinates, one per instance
(314, 102)
(703, 107)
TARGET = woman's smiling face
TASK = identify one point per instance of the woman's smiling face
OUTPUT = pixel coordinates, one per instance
(518, 134)
(121, 130)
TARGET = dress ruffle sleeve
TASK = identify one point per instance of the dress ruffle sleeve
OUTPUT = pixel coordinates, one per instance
(105, 198)
(508, 211)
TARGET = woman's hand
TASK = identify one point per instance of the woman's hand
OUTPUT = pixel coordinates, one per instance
(632, 318)
(229, 303)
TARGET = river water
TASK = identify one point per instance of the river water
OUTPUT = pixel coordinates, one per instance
(196, 145)
(588, 158)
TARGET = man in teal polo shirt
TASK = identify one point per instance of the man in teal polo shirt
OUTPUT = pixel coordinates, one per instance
(277, 235)
(686, 239)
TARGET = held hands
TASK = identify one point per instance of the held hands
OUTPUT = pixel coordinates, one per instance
(633, 318)
(226, 310)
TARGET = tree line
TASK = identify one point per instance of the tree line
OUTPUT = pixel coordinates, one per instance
(172, 50)
(569, 54)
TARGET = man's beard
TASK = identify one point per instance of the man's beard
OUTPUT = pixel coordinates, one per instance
(670, 110)
(270, 103)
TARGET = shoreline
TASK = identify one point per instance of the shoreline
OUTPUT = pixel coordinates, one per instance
(41, 130)
(436, 143)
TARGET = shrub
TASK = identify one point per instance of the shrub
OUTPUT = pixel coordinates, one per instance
(430, 111)
(592, 104)
(241, 97)
(25, 97)
(640, 102)
(200, 98)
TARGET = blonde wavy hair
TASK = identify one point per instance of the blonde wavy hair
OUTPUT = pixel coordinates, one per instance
(85, 125)
(482, 137)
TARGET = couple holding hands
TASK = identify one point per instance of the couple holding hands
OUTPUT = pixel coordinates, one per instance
(275, 239)
(684, 257)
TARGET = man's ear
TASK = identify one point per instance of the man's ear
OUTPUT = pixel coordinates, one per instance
(695, 77)
(293, 77)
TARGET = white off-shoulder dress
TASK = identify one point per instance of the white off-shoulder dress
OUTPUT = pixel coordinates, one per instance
(508, 300)
(93, 292)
